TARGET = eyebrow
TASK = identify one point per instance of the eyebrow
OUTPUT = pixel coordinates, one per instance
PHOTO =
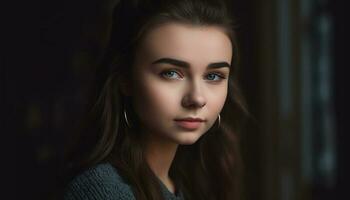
(185, 64)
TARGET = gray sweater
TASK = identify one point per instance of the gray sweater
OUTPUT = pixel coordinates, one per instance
(103, 182)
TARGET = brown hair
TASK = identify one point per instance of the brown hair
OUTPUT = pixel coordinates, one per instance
(208, 169)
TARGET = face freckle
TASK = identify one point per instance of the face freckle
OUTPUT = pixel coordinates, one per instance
(181, 71)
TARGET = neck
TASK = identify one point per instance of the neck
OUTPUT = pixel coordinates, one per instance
(160, 154)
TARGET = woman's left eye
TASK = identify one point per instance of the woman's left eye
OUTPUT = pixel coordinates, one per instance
(214, 77)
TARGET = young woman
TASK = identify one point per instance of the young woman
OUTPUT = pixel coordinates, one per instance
(165, 123)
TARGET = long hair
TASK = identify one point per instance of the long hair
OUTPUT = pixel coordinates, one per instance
(210, 168)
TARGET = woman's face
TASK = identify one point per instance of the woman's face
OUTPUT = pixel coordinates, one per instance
(180, 71)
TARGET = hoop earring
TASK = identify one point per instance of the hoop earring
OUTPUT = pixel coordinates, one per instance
(219, 120)
(126, 119)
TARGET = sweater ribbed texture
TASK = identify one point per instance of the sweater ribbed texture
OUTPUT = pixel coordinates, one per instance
(103, 182)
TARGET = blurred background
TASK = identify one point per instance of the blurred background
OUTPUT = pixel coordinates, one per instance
(293, 75)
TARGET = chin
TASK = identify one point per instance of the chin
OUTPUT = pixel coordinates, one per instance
(188, 140)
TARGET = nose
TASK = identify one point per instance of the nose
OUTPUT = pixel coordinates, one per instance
(194, 98)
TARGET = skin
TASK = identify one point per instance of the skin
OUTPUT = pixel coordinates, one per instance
(163, 91)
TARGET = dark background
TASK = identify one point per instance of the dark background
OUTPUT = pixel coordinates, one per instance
(47, 68)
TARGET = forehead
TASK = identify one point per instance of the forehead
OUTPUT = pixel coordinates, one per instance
(194, 44)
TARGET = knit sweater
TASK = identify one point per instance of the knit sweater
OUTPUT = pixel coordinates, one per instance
(103, 182)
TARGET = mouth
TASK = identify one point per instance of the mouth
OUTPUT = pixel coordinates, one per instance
(190, 123)
(190, 119)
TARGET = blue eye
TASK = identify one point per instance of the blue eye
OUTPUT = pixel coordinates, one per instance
(171, 74)
(214, 77)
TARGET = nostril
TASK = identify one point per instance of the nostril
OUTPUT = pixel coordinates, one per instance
(194, 103)
(194, 99)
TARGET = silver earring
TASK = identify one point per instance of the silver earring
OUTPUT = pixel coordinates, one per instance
(126, 119)
(219, 120)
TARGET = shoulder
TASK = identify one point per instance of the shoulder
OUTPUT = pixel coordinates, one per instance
(99, 182)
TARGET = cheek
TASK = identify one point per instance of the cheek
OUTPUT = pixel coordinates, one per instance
(215, 104)
(155, 100)
(216, 101)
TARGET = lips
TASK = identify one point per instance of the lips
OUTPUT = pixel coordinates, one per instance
(189, 123)
(191, 119)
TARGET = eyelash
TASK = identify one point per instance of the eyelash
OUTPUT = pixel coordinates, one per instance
(219, 75)
(167, 71)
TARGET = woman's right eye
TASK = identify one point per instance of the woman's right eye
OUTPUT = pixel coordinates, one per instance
(172, 74)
